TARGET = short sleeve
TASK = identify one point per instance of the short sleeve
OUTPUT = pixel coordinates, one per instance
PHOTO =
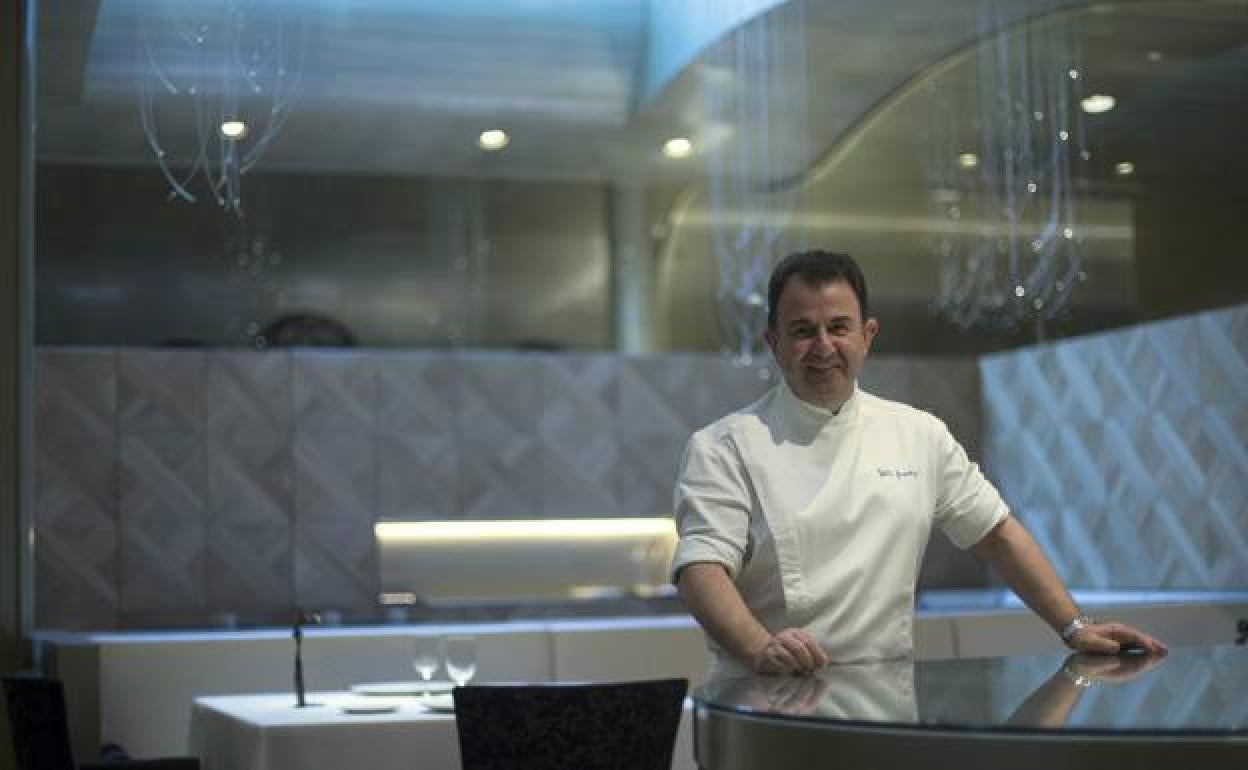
(712, 506)
(968, 506)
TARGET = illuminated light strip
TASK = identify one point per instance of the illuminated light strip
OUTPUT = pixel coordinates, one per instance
(531, 529)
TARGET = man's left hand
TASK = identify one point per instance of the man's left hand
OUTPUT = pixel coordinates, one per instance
(1113, 638)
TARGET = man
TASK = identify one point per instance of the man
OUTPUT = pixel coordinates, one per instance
(803, 518)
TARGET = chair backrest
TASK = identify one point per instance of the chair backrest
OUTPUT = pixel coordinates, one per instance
(624, 725)
(38, 722)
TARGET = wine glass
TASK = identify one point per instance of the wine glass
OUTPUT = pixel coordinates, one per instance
(461, 658)
(425, 658)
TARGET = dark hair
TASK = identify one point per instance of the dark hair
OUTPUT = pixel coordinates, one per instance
(815, 268)
(307, 330)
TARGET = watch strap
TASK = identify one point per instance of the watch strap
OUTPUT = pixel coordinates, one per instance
(1076, 624)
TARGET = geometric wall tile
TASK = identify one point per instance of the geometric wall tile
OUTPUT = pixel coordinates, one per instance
(498, 423)
(163, 524)
(1146, 482)
(418, 452)
(75, 490)
(75, 521)
(580, 449)
(333, 390)
(334, 481)
(180, 486)
(661, 401)
(161, 391)
(76, 397)
(190, 487)
(162, 492)
(248, 393)
(1224, 357)
(335, 562)
(249, 484)
(249, 534)
(947, 387)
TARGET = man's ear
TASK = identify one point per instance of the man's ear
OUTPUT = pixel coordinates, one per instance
(870, 329)
(770, 337)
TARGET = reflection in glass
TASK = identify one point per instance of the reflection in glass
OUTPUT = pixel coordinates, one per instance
(1052, 702)
(1193, 688)
(461, 659)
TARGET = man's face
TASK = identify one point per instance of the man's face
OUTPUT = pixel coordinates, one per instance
(820, 340)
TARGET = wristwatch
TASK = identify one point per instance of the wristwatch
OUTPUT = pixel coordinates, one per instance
(1077, 624)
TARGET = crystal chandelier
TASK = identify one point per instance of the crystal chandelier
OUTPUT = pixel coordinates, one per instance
(1011, 252)
(220, 79)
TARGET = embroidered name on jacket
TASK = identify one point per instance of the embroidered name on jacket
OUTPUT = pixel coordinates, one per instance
(897, 473)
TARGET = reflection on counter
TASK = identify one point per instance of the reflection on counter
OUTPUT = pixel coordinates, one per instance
(1192, 689)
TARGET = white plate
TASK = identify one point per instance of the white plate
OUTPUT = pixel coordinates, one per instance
(401, 688)
(442, 703)
(370, 708)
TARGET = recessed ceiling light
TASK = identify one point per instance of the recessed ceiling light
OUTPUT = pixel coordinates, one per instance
(1155, 56)
(493, 140)
(1125, 168)
(1098, 103)
(968, 160)
(233, 129)
(677, 147)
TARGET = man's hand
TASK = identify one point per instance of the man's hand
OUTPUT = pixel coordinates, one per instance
(791, 651)
(1112, 638)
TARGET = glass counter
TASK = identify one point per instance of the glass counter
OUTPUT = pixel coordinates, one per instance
(1187, 709)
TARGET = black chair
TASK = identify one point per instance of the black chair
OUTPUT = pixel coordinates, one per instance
(616, 726)
(40, 729)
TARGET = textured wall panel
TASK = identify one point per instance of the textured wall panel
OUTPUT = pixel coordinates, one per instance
(663, 399)
(946, 387)
(499, 413)
(580, 445)
(1126, 453)
(75, 496)
(162, 485)
(335, 480)
(249, 483)
(418, 452)
(161, 392)
(164, 524)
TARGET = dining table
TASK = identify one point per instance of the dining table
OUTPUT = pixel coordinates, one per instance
(382, 726)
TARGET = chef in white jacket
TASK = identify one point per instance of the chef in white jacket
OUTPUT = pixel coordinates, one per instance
(804, 516)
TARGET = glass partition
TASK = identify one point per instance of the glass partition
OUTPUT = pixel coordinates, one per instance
(305, 268)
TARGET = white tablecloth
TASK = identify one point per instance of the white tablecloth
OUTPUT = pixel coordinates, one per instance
(267, 732)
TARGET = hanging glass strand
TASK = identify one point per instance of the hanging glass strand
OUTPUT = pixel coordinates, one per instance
(758, 89)
(222, 61)
(1012, 252)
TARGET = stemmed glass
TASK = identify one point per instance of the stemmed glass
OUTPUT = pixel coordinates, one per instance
(461, 658)
(425, 659)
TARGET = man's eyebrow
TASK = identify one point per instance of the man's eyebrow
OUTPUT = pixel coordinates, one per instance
(807, 321)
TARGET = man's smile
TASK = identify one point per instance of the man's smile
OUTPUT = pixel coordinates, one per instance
(824, 366)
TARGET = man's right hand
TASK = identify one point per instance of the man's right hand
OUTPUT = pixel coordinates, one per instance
(791, 651)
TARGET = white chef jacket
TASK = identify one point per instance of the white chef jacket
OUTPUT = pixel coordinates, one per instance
(821, 519)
